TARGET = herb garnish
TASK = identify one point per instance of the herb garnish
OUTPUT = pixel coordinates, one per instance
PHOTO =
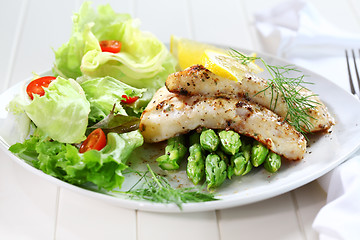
(157, 189)
(289, 88)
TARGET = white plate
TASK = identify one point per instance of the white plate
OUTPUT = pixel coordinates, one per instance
(325, 152)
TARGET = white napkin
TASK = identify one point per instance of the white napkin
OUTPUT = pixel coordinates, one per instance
(340, 217)
(294, 30)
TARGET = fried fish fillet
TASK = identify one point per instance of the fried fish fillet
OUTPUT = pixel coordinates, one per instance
(169, 115)
(197, 80)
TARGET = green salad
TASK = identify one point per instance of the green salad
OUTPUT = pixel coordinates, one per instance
(103, 76)
(81, 124)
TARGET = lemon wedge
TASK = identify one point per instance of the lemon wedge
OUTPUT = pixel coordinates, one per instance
(221, 64)
(189, 52)
(226, 66)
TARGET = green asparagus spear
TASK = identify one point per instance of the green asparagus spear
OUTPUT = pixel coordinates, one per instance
(258, 153)
(215, 171)
(226, 159)
(209, 140)
(223, 156)
(230, 141)
(238, 163)
(175, 151)
(248, 168)
(272, 162)
(230, 171)
(196, 161)
(196, 164)
(246, 150)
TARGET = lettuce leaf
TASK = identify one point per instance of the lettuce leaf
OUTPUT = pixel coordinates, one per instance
(68, 57)
(63, 161)
(103, 93)
(143, 62)
(62, 113)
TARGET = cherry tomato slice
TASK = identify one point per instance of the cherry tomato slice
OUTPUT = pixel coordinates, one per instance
(112, 46)
(96, 140)
(37, 86)
(129, 100)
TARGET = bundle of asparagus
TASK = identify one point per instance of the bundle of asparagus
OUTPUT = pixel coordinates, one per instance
(217, 155)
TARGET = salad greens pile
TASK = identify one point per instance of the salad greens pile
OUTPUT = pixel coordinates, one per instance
(102, 93)
(143, 62)
(91, 85)
(103, 168)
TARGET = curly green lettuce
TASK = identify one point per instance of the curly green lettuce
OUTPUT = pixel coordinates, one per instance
(63, 161)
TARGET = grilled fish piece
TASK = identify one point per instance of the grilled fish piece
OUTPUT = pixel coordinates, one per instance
(197, 80)
(170, 114)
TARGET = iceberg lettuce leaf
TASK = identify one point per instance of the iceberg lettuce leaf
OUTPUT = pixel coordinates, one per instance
(62, 113)
(69, 56)
(143, 62)
(103, 93)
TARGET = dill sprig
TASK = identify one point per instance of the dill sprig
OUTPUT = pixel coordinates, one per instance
(289, 88)
(157, 189)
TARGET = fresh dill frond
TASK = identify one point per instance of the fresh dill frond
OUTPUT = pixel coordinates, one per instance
(156, 188)
(244, 59)
(289, 88)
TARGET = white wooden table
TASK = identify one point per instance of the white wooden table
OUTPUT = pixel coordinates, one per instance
(32, 208)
